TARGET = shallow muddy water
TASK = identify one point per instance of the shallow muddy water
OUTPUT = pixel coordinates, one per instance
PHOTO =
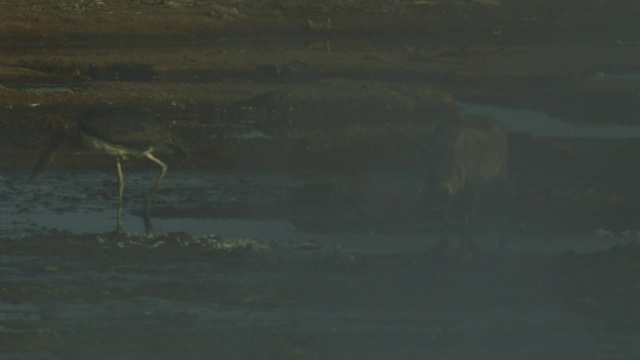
(187, 201)
(233, 205)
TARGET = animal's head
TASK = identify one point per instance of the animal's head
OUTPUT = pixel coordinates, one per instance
(466, 153)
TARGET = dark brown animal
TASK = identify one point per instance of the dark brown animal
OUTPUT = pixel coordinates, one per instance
(468, 159)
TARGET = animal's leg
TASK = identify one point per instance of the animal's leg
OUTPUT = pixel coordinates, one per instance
(469, 221)
(120, 192)
(447, 230)
(502, 215)
(147, 220)
(451, 228)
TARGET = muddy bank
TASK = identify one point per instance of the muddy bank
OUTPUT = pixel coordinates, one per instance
(194, 297)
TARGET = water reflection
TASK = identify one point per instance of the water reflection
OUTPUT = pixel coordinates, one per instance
(538, 123)
(600, 76)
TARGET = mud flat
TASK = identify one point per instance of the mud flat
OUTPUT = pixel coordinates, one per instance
(178, 295)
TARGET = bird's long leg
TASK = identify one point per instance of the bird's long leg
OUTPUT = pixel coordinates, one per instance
(147, 221)
(120, 192)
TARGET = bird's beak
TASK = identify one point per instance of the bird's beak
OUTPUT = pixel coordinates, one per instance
(179, 148)
(48, 154)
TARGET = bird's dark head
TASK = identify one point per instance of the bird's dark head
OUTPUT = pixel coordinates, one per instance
(49, 152)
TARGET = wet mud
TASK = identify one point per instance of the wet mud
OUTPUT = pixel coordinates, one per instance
(296, 229)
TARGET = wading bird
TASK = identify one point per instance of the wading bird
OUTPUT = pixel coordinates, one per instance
(122, 132)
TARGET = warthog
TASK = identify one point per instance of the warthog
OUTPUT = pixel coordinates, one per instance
(468, 159)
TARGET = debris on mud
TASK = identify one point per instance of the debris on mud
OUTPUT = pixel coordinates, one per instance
(126, 244)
